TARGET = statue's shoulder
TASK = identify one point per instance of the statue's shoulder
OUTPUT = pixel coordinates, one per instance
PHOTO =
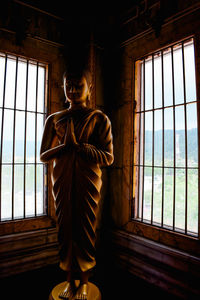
(101, 115)
(54, 117)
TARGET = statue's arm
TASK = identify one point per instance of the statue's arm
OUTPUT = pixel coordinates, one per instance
(47, 150)
(101, 151)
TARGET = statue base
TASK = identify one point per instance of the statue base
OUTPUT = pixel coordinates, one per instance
(93, 292)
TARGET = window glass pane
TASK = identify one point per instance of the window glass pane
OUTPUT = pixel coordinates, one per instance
(190, 80)
(157, 81)
(30, 138)
(28, 122)
(31, 100)
(179, 119)
(168, 138)
(8, 136)
(180, 136)
(30, 190)
(192, 137)
(10, 83)
(148, 84)
(40, 189)
(157, 199)
(2, 70)
(19, 191)
(178, 74)
(141, 138)
(0, 123)
(168, 197)
(158, 138)
(6, 192)
(41, 87)
(19, 136)
(148, 138)
(192, 207)
(147, 193)
(40, 125)
(167, 71)
(180, 199)
(21, 85)
(140, 185)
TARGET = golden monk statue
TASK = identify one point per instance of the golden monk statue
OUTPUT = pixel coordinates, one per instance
(79, 141)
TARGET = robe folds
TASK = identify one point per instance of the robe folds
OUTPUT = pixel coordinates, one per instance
(77, 183)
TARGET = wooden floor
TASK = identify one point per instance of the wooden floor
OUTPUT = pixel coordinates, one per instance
(113, 285)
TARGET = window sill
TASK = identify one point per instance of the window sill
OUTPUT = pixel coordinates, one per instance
(26, 251)
(175, 271)
(23, 225)
(165, 237)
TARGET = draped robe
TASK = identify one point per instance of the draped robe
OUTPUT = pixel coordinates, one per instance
(77, 183)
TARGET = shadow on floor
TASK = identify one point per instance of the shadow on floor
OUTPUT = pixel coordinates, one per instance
(113, 284)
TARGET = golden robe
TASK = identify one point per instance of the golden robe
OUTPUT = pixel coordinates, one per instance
(77, 183)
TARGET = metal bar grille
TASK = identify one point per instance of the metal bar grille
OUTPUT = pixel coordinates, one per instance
(167, 181)
(174, 138)
(2, 126)
(152, 140)
(25, 136)
(186, 156)
(13, 158)
(23, 109)
(143, 139)
(163, 142)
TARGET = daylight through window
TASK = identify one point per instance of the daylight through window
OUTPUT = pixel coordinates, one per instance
(166, 140)
(22, 111)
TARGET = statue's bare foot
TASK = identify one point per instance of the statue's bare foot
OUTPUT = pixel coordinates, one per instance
(67, 293)
(82, 292)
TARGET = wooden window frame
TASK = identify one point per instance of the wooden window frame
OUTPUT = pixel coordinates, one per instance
(167, 237)
(47, 220)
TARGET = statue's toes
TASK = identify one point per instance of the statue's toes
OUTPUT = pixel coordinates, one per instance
(81, 297)
(64, 295)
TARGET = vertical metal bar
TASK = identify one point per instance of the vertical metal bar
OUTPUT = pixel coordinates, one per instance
(25, 129)
(196, 45)
(163, 141)
(35, 165)
(186, 154)
(139, 135)
(2, 126)
(143, 140)
(153, 125)
(133, 171)
(13, 158)
(45, 167)
(174, 136)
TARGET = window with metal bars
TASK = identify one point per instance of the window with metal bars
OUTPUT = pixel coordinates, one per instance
(166, 140)
(22, 113)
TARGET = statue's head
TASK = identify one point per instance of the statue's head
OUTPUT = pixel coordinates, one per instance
(77, 86)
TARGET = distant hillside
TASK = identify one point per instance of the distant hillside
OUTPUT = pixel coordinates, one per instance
(168, 139)
(19, 149)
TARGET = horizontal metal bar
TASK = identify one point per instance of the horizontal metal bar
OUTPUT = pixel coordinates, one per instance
(18, 163)
(178, 43)
(23, 59)
(165, 167)
(168, 227)
(23, 110)
(165, 107)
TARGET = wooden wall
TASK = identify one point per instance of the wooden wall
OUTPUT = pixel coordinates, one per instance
(151, 255)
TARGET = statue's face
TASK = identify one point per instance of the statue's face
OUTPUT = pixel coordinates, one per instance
(76, 89)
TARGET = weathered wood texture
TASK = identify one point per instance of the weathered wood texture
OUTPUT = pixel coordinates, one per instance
(169, 260)
(175, 271)
(27, 251)
(179, 22)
